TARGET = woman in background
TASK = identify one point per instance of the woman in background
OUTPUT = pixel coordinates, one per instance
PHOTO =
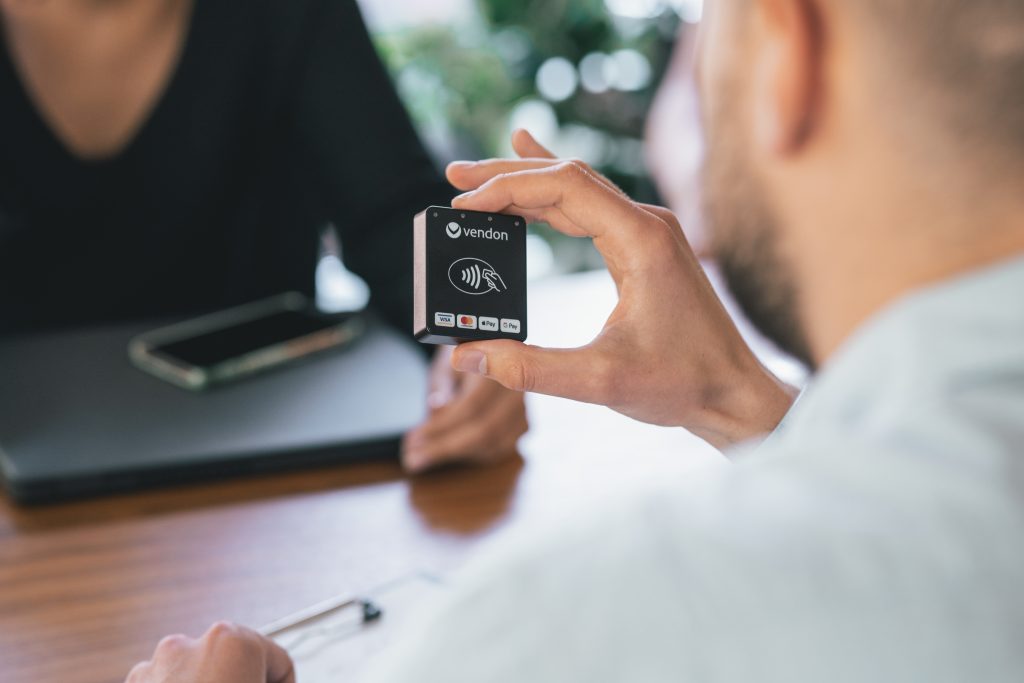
(168, 157)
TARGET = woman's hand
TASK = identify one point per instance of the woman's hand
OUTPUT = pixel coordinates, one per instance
(668, 354)
(224, 654)
(472, 419)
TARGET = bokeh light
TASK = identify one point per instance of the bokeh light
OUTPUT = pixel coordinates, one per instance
(593, 72)
(632, 70)
(688, 10)
(636, 9)
(536, 116)
(557, 79)
(627, 70)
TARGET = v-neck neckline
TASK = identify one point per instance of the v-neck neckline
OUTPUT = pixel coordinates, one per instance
(153, 114)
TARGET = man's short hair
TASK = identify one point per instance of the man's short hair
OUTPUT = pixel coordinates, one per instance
(964, 58)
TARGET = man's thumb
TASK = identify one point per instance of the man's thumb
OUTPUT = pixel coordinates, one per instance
(557, 372)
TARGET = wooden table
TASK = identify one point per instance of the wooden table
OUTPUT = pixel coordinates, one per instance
(88, 588)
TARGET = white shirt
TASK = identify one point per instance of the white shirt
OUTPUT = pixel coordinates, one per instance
(877, 536)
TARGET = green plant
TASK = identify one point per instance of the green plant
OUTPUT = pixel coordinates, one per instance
(466, 85)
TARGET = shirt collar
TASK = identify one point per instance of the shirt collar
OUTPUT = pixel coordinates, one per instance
(917, 350)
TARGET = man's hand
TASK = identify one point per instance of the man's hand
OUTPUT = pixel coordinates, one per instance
(669, 354)
(471, 418)
(224, 654)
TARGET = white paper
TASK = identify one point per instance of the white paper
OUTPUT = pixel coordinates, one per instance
(338, 646)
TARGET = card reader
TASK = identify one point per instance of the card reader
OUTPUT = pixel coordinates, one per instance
(469, 276)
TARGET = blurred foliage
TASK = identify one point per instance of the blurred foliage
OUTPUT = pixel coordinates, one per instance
(462, 83)
(557, 27)
(450, 83)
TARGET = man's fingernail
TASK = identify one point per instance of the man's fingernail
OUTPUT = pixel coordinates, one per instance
(463, 164)
(414, 439)
(438, 399)
(415, 461)
(472, 361)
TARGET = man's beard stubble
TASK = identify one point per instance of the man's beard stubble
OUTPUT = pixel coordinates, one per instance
(744, 233)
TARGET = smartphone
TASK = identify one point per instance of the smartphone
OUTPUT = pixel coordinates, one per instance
(242, 341)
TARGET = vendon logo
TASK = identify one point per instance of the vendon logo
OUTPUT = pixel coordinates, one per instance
(455, 231)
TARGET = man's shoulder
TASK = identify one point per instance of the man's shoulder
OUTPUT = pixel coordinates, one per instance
(742, 574)
(799, 563)
(830, 549)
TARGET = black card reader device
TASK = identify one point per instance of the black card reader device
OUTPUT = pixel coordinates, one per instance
(469, 276)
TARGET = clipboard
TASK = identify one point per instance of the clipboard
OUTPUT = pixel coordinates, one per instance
(333, 640)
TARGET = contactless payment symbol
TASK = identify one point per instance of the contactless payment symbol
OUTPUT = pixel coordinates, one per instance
(475, 276)
(454, 230)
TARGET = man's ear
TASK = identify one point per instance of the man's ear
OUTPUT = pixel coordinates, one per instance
(787, 73)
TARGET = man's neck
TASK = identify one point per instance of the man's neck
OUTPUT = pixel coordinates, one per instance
(911, 250)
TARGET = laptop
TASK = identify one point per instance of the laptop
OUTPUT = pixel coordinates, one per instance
(78, 419)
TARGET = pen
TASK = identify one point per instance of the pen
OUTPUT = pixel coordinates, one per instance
(370, 612)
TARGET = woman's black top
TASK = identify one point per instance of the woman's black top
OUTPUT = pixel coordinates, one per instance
(278, 121)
